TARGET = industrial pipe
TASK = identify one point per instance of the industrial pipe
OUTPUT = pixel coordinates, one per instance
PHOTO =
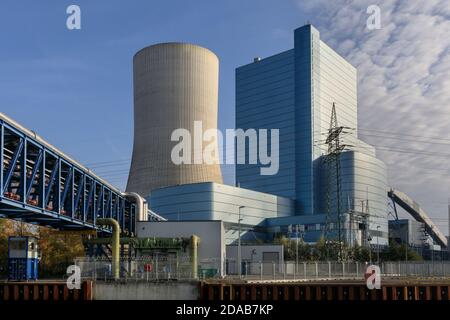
(195, 241)
(141, 205)
(115, 265)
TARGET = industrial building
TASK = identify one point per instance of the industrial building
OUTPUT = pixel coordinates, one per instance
(255, 259)
(328, 183)
(211, 250)
(212, 201)
(178, 222)
(410, 232)
(294, 92)
(215, 255)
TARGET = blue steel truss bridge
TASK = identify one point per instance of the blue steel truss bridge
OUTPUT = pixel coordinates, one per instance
(41, 185)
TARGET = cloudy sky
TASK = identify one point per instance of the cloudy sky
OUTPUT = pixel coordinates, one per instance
(75, 87)
(404, 87)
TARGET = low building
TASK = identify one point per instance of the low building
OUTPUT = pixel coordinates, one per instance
(214, 201)
(408, 231)
(211, 250)
(255, 259)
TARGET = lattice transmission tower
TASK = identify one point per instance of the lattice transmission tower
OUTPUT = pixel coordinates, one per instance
(333, 192)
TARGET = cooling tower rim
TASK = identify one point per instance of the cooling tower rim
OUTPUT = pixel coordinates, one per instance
(184, 44)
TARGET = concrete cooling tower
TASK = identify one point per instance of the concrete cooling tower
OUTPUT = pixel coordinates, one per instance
(175, 84)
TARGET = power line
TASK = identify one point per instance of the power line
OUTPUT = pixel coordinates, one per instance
(406, 139)
(92, 164)
(390, 133)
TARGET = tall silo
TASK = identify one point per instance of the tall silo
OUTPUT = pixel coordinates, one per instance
(175, 84)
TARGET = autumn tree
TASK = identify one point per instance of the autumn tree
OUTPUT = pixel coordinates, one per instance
(57, 249)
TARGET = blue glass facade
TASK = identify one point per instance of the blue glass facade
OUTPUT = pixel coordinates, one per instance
(305, 45)
(213, 201)
(265, 98)
(294, 91)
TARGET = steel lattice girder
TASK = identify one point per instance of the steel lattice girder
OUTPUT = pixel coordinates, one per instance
(40, 186)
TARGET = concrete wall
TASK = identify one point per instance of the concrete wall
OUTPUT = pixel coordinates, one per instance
(211, 250)
(175, 84)
(146, 291)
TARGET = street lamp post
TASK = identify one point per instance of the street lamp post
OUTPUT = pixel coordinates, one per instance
(406, 247)
(296, 249)
(378, 246)
(239, 243)
(432, 253)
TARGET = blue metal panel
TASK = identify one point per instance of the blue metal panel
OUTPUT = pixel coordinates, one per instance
(89, 202)
(23, 173)
(304, 120)
(80, 191)
(72, 192)
(12, 164)
(58, 189)
(100, 205)
(108, 204)
(1, 157)
(51, 182)
(122, 213)
(67, 186)
(33, 174)
(23, 267)
(42, 182)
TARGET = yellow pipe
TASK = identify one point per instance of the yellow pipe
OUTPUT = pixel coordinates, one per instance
(115, 244)
(195, 241)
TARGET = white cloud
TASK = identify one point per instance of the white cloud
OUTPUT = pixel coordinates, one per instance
(404, 85)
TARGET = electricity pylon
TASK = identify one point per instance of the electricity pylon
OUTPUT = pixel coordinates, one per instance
(332, 162)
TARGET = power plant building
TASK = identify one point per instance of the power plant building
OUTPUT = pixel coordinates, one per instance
(220, 202)
(293, 91)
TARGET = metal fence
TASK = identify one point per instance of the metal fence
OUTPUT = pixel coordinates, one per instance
(334, 270)
(147, 269)
(180, 268)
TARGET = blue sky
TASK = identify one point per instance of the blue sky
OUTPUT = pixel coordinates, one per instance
(74, 88)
